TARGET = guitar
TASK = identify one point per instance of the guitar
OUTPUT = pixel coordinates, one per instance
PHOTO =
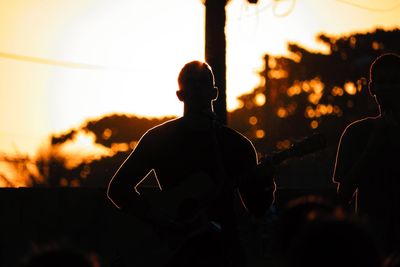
(183, 209)
(299, 148)
(179, 214)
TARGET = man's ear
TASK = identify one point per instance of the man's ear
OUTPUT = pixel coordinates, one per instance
(215, 93)
(180, 95)
(371, 87)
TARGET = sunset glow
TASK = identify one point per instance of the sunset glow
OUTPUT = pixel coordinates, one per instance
(128, 55)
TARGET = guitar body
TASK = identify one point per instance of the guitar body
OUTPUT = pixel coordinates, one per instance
(180, 213)
(185, 202)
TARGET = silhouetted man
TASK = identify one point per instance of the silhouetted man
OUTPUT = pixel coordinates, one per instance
(368, 156)
(197, 148)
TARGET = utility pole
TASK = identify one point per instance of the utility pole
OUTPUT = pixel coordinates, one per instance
(215, 49)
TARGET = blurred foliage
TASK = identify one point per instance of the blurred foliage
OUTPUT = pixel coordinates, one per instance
(117, 134)
(308, 92)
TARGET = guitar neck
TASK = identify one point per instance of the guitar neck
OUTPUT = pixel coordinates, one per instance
(276, 158)
(303, 147)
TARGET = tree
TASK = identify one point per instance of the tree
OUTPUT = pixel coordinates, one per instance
(108, 141)
(309, 92)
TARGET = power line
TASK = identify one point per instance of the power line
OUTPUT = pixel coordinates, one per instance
(69, 64)
(59, 63)
(369, 8)
(274, 4)
(267, 6)
(287, 12)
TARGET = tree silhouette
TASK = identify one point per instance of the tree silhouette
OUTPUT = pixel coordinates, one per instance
(309, 92)
(116, 133)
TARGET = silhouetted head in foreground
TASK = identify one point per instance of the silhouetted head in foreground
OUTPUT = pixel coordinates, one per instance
(384, 83)
(333, 243)
(313, 232)
(297, 214)
(196, 87)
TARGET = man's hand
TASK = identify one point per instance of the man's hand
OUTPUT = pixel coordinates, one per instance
(263, 174)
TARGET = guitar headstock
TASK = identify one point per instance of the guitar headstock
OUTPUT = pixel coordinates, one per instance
(299, 148)
(308, 145)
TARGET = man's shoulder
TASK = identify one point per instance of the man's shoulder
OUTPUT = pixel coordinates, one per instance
(165, 126)
(362, 125)
(160, 132)
(358, 132)
(232, 132)
(235, 136)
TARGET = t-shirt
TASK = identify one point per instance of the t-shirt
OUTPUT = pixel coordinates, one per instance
(378, 196)
(175, 152)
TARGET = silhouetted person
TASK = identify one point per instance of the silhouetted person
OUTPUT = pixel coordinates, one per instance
(192, 149)
(333, 242)
(293, 219)
(367, 162)
(312, 231)
(393, 260)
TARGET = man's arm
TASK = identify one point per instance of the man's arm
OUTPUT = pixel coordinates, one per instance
(356, 154)
(257, 190)
(345, 183)
(121, 189)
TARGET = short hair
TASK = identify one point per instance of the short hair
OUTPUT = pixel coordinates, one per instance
(194, 73)
(386, 68)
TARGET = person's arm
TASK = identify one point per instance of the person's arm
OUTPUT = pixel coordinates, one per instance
(257, 190)
(121, 189)
(345, 184)
(352, 161)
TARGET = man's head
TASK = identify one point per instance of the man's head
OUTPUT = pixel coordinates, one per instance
(384, 82)
(196, 85)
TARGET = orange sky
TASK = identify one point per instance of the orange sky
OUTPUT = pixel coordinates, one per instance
(139, 48)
